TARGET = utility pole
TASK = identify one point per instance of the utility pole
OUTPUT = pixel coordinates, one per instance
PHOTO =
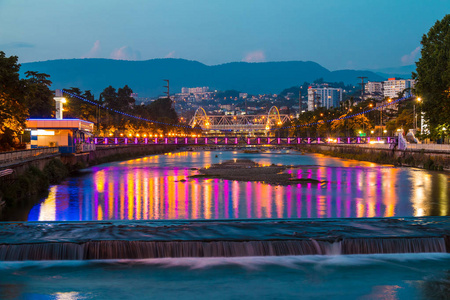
(362, 87)
(168, 91)
(167, 86)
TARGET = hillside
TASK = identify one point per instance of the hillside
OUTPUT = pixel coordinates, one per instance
(146, 77)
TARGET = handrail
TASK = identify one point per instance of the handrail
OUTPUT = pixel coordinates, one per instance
(25, 154)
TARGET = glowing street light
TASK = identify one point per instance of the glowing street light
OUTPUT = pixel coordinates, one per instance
(59, 99)
(414, 111)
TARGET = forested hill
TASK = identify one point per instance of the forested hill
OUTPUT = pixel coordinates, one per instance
(146, 77)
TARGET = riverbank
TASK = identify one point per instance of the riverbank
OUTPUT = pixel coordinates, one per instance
(26, 189)
(248, 170)
(420, 160)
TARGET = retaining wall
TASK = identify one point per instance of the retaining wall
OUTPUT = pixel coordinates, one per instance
(110, 153)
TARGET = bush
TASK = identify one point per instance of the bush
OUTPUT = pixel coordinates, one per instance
(55, 171)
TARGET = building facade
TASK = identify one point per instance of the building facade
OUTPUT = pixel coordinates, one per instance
(70, 135)
(393, 87)
(323, 97)
(195, 90)
(374, 88)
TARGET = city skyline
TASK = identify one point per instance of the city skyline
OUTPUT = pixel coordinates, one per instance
(337, 35)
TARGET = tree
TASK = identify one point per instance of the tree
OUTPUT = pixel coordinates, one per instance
(109, 96)
(13, 110)
(124, 98)
(39, 98)
(13, 115)
(351, 125)
(433, 73)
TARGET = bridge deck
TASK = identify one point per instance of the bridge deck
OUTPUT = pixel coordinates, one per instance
(288, 141)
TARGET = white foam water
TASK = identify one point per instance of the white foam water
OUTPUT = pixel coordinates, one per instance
(371, 276)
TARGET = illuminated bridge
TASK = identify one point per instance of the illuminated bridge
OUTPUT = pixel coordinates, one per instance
(238, 123)
(238, 141)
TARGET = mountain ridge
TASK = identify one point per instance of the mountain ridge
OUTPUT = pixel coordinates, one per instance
(145, 77)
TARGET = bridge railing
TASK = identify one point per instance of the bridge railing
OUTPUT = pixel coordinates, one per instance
(238, 140)
(11, 156)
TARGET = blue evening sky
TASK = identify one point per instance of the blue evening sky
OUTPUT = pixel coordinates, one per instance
(360, 34)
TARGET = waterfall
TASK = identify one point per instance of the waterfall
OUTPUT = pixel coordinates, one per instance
(119, 249)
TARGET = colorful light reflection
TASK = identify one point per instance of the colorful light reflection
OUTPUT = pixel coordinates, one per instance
(158, 188)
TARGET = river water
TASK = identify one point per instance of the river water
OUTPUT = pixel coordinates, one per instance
(158, 188)
(387, 276)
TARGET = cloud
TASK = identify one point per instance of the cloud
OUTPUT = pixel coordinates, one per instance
(14, 45)
(95, 50)
(255, 56)
(410, 58)
(170, 55)
(126, 53)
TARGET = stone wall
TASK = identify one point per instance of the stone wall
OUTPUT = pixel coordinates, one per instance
(111, 153)
(428, 159)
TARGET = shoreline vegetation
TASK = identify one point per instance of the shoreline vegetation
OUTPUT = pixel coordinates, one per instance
(414, 160)
(248, 170)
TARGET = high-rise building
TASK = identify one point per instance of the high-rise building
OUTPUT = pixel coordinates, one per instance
(392, 87)
(195, 90)
(323, 97)
(374, 88)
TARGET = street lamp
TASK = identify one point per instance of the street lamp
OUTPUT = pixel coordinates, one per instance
(442, 135)
(415, 115)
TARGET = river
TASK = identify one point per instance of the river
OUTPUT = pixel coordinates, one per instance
(158, 188)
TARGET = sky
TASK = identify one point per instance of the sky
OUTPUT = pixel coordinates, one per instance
(338, 34)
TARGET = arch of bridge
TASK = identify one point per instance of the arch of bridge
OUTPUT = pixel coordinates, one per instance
(237, 122)
(200, 118)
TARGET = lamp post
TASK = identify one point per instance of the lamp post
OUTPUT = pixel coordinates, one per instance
(442, 135)
(59, 99)
(415, 115)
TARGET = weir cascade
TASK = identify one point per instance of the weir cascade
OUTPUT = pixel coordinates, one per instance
(160, 249)
(220, 238)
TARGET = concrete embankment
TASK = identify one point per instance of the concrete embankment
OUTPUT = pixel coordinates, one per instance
(113, 153)
(153, 239)
(30, 178)
(421, 158)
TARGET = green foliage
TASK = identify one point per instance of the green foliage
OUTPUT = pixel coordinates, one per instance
(20, 98)
(433, 73)
(352, 125)
(55, 171)
(111, 123)
(13, 111)
(39, 97)
(32, 182)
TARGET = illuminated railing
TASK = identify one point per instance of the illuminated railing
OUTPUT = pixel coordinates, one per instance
(20, 155)
(429, 147)
(211, 141)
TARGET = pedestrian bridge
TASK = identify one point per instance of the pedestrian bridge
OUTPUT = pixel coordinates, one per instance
(236, 123)
(240, 141)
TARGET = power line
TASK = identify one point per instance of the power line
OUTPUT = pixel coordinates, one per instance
(346, 117)
(362, 87)
(123, 113)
